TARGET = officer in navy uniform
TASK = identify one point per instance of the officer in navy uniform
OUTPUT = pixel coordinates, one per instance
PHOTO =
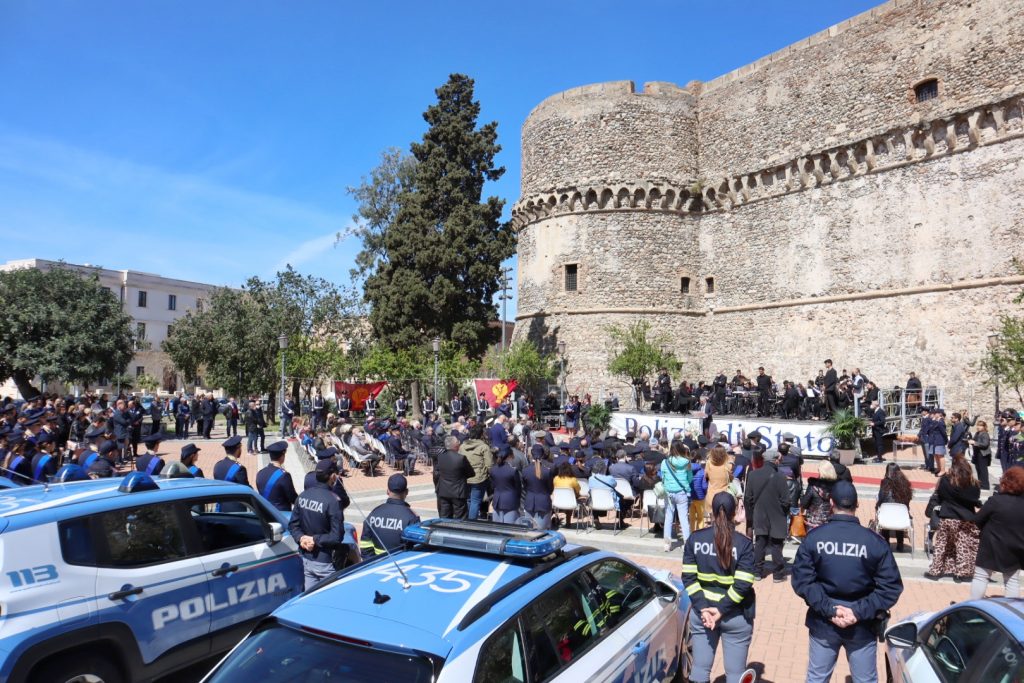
(455, 406)
(848, 577)
(229, 468)
(401, 407)
(19, 469)
(482, 407)
(189, 456)
(382, 529)
(182, 415)
(44, 463)
(317, 524)
(149, 462)
(370, 407)
(318, 410)
(273, 482)
(101, 469)
(878, 430)
(344, 405)
(429, 406)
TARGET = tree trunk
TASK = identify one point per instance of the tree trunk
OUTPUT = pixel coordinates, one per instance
(24, 384)
(414, 399)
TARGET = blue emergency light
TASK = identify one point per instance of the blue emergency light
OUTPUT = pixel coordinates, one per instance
(492, 538)
(134, 482)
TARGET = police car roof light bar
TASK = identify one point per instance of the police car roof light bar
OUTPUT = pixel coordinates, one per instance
(135, 482)
(492, 538)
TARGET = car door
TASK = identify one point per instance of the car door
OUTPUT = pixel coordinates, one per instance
(249, 575)
(566, 638)
(647, 627)
(147, 580)
(955, 646)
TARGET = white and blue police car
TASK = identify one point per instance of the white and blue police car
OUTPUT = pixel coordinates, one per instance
(474, 601)
(117, 580)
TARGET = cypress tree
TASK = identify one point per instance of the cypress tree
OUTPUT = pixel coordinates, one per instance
(440, 264)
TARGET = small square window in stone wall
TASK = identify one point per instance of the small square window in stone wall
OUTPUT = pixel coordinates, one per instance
(926, 90)
(709, 284)
(570, 277)
(684, 285)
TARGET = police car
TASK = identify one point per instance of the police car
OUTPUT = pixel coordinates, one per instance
(474, 601)
(974, 641)
(117, 580)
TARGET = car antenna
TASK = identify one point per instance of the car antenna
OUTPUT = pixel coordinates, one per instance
(405, 579)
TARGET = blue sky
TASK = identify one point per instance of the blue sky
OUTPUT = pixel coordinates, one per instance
(212, 141)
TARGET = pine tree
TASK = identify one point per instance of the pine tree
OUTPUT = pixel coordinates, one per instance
(439, 267)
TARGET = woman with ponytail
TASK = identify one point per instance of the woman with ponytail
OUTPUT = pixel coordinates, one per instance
(718, 573)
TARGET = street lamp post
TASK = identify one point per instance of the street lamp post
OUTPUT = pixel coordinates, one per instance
(282, 342)
(561, 365)
(993, 341)
(437, 351)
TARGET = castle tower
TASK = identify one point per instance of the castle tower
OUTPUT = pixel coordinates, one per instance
(854, 196)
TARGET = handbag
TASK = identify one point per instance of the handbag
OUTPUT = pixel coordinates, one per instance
(798, 526)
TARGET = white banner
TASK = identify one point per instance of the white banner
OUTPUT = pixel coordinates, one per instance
(810, 435)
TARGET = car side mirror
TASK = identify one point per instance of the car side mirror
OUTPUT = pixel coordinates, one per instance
(276, 533)
(902, 635)
(666, 592)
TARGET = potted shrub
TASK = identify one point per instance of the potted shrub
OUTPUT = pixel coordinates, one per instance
(847, 430)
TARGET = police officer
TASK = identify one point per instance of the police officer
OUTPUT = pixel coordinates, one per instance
(229, 468)
(338, 487)
(317, 524)
(149, 462)
(428, 406)
(382, 530)
(718, 573)
(483, 406)
(273, 481)
(370, 407)
(44, 463)
(344, 405)
(189, 456)
(182, 416)
(101, 469)
(401, 407)
(318, 410)
(455, 406)
(848, 577)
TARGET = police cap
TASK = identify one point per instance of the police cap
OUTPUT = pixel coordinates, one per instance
(325, 453)
(106, 447)
(844, 495)
(232, 442)
(188, 450)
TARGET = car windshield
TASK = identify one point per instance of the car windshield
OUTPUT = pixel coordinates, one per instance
(279, 654)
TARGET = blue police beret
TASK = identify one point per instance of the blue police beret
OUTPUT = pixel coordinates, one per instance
(232, 442)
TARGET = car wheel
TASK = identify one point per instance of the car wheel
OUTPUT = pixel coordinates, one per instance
(685, 652)
(87, 669)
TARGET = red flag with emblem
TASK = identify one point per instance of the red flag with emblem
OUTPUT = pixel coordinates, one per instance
(494, 389)
(358, 392)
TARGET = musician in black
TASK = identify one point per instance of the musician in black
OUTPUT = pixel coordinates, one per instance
(764, 391)
(719, 392)
(790, 400)
(738, 380)
(831, 388)
(664, 385)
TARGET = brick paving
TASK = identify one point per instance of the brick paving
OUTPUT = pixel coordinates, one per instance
(779, 647)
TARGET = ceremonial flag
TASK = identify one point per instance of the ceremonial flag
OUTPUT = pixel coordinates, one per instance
(359, 392)
(494, 389)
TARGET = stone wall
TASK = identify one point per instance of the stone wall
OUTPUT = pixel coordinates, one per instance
(836, 216)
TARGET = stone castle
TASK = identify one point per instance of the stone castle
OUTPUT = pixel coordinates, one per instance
(858, 195)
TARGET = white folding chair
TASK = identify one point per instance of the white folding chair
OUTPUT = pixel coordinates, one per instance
(648, 500)
(626, 496)
(603, 500)
(564, 500)
(584, 487)
(895, 517)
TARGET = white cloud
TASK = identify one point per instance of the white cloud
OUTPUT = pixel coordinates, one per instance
(61, 201)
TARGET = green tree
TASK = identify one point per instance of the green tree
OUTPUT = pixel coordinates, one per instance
(635, 355)
(454, 369)
(400, 368)
(1004, 361)
(435, 261)
(524, 362)
(60, 325)
(234, 339)
(378, 200)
